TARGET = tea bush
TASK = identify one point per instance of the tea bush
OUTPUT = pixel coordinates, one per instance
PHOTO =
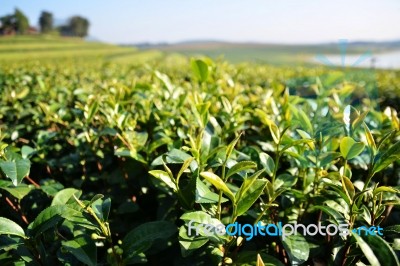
(103, 163)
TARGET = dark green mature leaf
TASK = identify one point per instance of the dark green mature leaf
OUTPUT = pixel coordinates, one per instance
(250, 196)
(16, 170)
(19, 192)
(392, 230)
(83, 248)
(241, 166)
(297, 248)
(190, 243)
(8, 227)
(195, 218)
(102, 208)
(384, 159)
(142, 237)
(49, 217)
(350, 149)
(247, 183)
(337, 216)
(285, 180)
(376, 250)
(65, 196)
(218, 183)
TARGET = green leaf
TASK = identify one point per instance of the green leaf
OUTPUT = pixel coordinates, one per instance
(16, 170)
(19, 192)
(370, 138)
(83, 248)
(204, 195)
(102, 208)
(190, 243)
(392, 230)
(350, 115)
(201, 218)
(199, 69)
(95, 198)
(247, 183)
(231, 146)
(376, 250)
(8, 227)
(337, 216)
(350, 149)
(26, 151)
(285, 180)
(296, 142)
(163, 176)
(304, 120)
(267, 162)
(276, 135)
(250, 196)
(218, 183)
(185, 165)
(142, 237)
(383, 160)
(305, 135)
(297, 248)
(385, 189)
(65, 196)
(49, 217)
(241, 166)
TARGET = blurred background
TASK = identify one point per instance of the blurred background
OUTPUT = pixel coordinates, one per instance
(360, 33)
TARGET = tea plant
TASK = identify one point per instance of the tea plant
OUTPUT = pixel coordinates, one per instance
(116, 164)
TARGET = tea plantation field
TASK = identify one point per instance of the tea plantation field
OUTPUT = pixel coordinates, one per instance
(116, 156)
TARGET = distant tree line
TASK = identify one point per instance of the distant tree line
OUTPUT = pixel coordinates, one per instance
(18, 23)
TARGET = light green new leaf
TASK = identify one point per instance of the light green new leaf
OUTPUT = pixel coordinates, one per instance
(231, 146)
(276, 135)
(219, 184)
(204, 194)
(185, 165)
(199, 69)
(163, 176)
(350, 148)
(241, 166)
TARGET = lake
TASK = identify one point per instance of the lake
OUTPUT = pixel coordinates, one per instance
(387, 60)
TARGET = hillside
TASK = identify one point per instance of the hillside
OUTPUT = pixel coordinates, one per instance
(17, 48)
(270, 53)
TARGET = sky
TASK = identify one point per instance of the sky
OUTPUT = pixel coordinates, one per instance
(272, 21)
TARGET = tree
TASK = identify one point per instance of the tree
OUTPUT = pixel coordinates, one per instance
(22, 22)
(46, 22)
(79, 26)
(8, 24)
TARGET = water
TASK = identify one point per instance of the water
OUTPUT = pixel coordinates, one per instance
(388, 60)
